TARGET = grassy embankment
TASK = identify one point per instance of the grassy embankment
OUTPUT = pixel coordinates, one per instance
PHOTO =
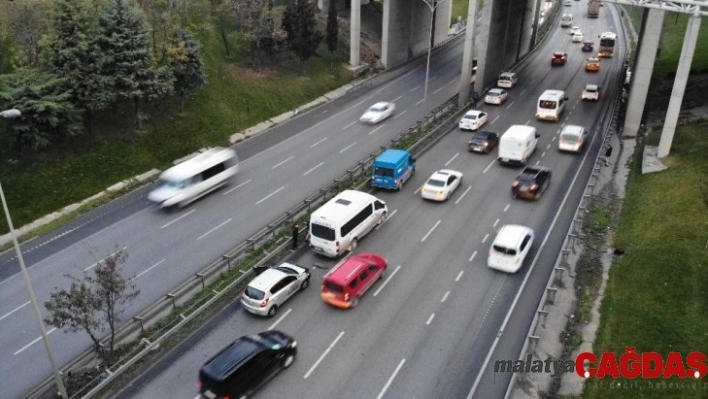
(236, 97)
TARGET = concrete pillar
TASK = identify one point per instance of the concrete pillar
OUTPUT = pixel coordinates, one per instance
(355, 33)
(468, 53)
(684, 67)
(641, 76)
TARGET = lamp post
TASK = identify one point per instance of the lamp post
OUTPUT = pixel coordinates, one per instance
(432, 5)
(14, 113)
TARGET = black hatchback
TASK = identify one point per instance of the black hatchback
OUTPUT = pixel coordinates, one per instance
(246, 364)
(483, 141)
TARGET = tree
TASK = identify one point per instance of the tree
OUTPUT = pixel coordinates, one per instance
(94, 303)
(332, 30)
(47, 111)
(72, 53)
(26, 22)
(185, 61)
(299, 24)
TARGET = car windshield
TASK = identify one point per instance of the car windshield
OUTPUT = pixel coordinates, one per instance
(171, 184)
(254, 293)
(569, 138)
(436, 183)
(471, 117)
(479, 140)
(503, 250)
(269, 342)
(322, 232)
(378, 108)
(287, 270)
(386, 172)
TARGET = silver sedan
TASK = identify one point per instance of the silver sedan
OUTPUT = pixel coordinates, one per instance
(378, 112)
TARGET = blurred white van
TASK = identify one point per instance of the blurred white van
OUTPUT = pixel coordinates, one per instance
(517, 144)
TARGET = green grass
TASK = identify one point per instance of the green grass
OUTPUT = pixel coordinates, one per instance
(656, 295)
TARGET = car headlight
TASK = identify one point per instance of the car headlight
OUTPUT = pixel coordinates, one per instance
(293, 344)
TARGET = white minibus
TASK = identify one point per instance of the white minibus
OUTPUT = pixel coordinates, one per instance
(339, 224)
(551, 105)
(195, 177)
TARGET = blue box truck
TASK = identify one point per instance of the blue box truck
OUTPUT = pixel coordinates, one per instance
(393, 168)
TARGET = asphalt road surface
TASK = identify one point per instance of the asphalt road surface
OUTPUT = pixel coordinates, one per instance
(426, 330)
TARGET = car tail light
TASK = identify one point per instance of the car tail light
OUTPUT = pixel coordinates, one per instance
(515, 183)
(534, 186)
(337, 245)
(265, 302)
(199, 384)
(346, 296)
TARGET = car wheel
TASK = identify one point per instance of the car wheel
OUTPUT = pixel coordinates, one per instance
(305, 284)
(353, 245)
(273, 311)
(381, 220)
(398, 186)
(288, 361)
(355, 301)
(383, 273)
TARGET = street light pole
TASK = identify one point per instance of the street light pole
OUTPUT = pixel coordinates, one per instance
(432, 4)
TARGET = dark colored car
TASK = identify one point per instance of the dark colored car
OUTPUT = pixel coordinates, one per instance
(483, 141)
(587, 46)
(246, 364)
(559, 58)
(531, 183)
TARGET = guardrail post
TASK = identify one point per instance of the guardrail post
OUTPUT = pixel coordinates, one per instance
(172, 296)
(543, 315)
(559, 273)
(533, 343)
(201, 277)
(551, 295)
(228, 261)
(139, 320)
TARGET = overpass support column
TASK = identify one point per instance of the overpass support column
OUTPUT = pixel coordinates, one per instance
(355, 33)
(468, 54)
(650, 37)
(684, 68)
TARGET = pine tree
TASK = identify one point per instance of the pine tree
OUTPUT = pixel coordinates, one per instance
(184, 59)
(299, 24)
(71, 53)
(332, 30)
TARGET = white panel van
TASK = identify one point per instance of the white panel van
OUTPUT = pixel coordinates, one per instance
(517, 144)
(551, 105)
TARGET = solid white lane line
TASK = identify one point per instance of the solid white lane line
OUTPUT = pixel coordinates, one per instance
(240, 185)
(269, 195)
(31, 343)
(95, 264)
(317, 166)
(463, 194)
(396, 99)
(495, 223)
(452, 159)
(506, 208)
(430, 319)
(179, 218)
(430, 231)
(387, 280)
(419, 188)
(494, 120)
(137, 276)
(473, 255)
(214, 229)
(314, 366)
(459, 275)
(374, 131)
(319, 142)
(444, 298)
(390, 379)
(415, 88)
(488, 166)
(485, 238)
(347, 147)
(15, 310)
(272, 326)
(349, 125)
(397, 115)
(275, 166)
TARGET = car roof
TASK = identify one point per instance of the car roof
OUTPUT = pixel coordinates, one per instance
(221, 365)
(483, 133)
(473, 112)
(380, 104)
(510, 235)
(591, 87)
(444, 173)
(345, 272)
(507, 74)
(558, 53)
(496, 90)
(267, 279)
(572, 129)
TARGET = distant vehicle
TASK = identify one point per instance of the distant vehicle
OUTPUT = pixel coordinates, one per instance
(588, 46)
(517, 144)
(510, 248)
(345, 284)
(551, 104)
(496, 96)
(578, 37)
(246, 364)
(378, 112)
(572, 139)
(607, 45)
(338, 225)
(195, 177)
(441, 185)
(483, 141)
(566, 20)
(591, 92)
(568, 3)
(393, 168)
(531, 183)
(559, 58)
(575, 29)
(507, 80)
(594, 8)
(270, 289)
(473, 120)
(592, 64)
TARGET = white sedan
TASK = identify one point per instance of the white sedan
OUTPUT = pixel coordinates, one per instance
(578, 38)
(441, 185)
(378, 112)
(473, 120)
(574, 30)
(496, 96)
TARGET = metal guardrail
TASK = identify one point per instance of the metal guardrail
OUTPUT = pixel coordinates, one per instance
(271, 235)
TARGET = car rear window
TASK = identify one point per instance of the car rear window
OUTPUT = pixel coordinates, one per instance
(254, 293)
(503, 250)
(387, 172)
(470, 117)
(332, 287)
(436, 183)
(569, 138)
(322, 232)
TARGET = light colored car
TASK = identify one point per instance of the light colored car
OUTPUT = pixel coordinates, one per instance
(574, 30)
(441, 185)
(269, 290)
(568, 3)
(572, 138)
(378, 112)
(510, 248)
(496, 96)
(473, 120)
(507, 80)
(591, 92)
(578, 37)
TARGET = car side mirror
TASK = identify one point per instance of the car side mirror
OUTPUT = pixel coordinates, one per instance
(565, 98)
(537, 135)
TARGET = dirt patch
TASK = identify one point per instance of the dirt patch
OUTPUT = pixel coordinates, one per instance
(660, 93)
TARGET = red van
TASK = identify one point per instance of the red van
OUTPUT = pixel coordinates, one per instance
(346, 283)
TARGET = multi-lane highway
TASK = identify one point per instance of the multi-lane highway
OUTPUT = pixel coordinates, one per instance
(428, 327)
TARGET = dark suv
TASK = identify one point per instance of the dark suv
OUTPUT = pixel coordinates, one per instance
(483, 141)
(246, 364)
(531, 183)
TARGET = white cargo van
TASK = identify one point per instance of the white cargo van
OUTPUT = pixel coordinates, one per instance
(195, 177)
(517, 144)
(551, 105)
